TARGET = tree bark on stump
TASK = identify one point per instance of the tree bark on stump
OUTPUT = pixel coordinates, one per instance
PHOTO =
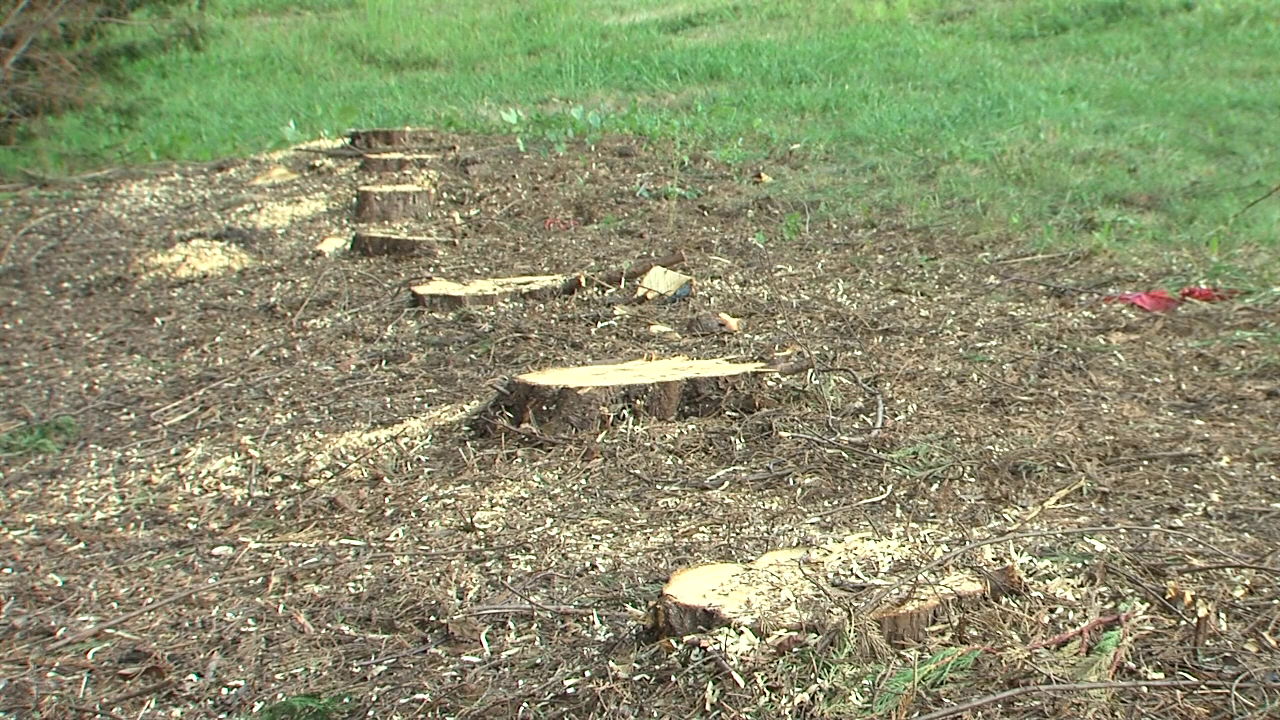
(377, 138)
(372, 243)
(391, 203)
(588, 399)
(393, 162)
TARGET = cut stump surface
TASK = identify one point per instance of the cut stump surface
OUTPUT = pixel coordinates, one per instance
(793, 588)
(594, 397)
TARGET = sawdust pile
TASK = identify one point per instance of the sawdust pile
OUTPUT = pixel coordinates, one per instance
(193, 259)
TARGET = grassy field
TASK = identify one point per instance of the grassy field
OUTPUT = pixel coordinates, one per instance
(1103, 121)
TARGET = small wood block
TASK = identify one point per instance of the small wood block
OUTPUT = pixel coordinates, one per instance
(392, 162)
(590, 398)
(708, 323)
(439, 293)
(391, 203)
(377, 138)
(372, 243)
(660, 282)
(332, 245)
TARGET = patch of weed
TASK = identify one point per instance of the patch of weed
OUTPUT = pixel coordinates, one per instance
(933, 673)
(306, 707)
(44, 438)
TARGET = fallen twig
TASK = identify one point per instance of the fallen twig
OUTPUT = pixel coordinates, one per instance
(1082, 631)
(869, 390)
(1066, 687)
(4, 254)
(616, 277)
(120, 619)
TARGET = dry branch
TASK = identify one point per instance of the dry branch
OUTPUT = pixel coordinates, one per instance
(640, 267)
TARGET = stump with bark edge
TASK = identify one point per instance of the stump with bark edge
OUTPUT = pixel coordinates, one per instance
(376, 243)
(394, 162)
(587, 399)
(793, 588)
(376, 138)
(391, 203)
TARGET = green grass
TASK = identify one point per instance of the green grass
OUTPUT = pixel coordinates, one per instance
(306, 707)
(1140, 122)
(45, 438)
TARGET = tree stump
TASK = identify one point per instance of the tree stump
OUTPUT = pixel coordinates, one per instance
(446, 294)
(373, 243)
(377, 138)
(793, 588)
(391, 203)
(588, 399)
(394, 162)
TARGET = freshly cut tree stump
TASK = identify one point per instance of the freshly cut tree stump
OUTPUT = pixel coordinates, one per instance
(376, 138)
(390, 203)
(392, 162)
(372, 243)
(590, 398)
(446, 294)
(797, 587)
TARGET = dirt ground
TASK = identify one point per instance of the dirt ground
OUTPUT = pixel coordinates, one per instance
(274, 505)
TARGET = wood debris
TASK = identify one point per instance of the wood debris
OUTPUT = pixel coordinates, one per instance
(274, 176)
(447, 294)
(659, 282)
(712, 324)
(333, 245)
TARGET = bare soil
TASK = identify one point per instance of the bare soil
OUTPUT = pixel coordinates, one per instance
(278, 488)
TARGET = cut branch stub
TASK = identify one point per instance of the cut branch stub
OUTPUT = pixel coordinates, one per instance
(376, 138)
(590, 398)
(640, 267)
(392, 162)
(446, 294)
(390, 203)
(793, 588)
(373, 243)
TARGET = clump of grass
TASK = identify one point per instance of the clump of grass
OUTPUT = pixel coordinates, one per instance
(932, 673)
(44, 438)
(305, 707)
